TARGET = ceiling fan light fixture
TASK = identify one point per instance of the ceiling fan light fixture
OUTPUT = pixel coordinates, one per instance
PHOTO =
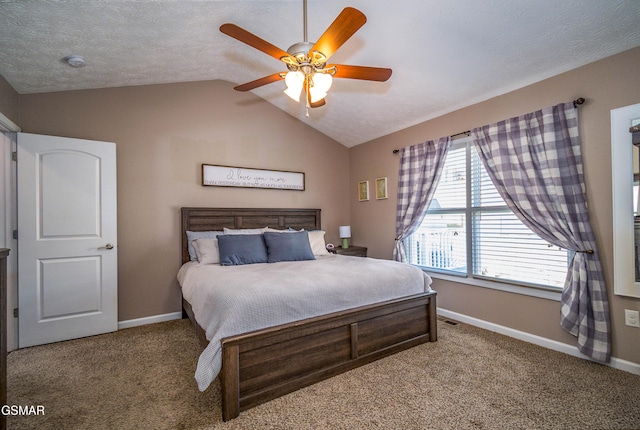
(294, 82)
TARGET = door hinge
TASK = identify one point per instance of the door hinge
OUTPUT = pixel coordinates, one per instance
(15, 234)
(14, 156)
(15, 312)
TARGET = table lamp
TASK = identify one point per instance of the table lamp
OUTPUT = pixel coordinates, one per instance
(345, 234)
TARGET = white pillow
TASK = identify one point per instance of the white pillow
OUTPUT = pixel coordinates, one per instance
(193, 235)
(316, 240)
(244, 230)
(207, 250)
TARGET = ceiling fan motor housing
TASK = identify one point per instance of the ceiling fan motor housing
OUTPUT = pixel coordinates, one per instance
(300, 51)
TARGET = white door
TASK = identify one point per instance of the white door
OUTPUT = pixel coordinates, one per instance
(67, 255)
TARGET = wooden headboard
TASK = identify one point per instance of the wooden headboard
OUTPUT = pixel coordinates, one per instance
(205, 219)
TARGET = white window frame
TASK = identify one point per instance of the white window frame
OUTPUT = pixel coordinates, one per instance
(468, 278)
(624, 283)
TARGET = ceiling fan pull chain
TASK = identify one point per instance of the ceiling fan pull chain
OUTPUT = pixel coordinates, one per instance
(308, 84)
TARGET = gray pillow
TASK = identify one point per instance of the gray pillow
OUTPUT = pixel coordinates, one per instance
(193, 235)
(288, 247)
(238, 249)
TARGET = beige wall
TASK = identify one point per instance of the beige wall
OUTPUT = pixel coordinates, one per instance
(607, 84)
(9, 105)
(163, 134)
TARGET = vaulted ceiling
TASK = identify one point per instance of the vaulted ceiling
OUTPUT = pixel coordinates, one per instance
(445, 54)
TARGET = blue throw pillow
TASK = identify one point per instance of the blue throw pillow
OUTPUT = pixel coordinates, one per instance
(238, 249)
(288, 246)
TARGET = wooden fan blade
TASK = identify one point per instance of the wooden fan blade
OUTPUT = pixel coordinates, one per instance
(361, 72)
(260, 44)
(340, 30)
(259, 82)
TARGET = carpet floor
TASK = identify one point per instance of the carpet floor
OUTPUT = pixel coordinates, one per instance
(142, 378)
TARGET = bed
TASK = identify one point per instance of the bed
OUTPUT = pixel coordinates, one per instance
(264, 363)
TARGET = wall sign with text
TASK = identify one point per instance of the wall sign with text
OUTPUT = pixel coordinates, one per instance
(227, 176)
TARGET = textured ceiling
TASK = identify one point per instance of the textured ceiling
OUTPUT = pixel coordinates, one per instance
(445, 54)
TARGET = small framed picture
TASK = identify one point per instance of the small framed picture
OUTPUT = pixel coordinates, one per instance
(381, 188)
(363, 191)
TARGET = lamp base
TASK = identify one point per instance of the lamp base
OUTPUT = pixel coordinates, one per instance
(345, 243)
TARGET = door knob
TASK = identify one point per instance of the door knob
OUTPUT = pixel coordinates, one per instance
(107, 246)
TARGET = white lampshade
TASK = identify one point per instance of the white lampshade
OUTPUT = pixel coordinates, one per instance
(321, 84)
(322, 81)
(345, 231)
(294, 81)
(316, 95)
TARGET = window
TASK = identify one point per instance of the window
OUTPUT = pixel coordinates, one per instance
(470, 231)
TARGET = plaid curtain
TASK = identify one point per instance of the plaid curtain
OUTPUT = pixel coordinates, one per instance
(535, 163)
(420, 169)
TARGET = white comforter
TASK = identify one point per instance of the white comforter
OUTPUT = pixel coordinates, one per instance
(230, 300)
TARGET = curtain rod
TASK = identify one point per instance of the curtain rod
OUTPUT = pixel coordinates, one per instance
(453, 137)
(577, 102)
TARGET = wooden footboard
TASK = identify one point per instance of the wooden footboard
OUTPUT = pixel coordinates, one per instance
(269, 363)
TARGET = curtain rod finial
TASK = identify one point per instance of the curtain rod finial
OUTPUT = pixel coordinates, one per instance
(578, 102)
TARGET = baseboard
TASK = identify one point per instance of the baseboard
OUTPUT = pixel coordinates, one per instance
(149, 320)
(616, 363)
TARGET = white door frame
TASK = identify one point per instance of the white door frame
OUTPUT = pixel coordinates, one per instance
(8, 222)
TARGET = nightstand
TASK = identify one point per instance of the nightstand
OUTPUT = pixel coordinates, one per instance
(356, 251)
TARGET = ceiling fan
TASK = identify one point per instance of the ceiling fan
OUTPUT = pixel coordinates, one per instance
(307, 62)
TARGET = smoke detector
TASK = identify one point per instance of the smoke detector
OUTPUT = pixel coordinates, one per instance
(75, 61)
